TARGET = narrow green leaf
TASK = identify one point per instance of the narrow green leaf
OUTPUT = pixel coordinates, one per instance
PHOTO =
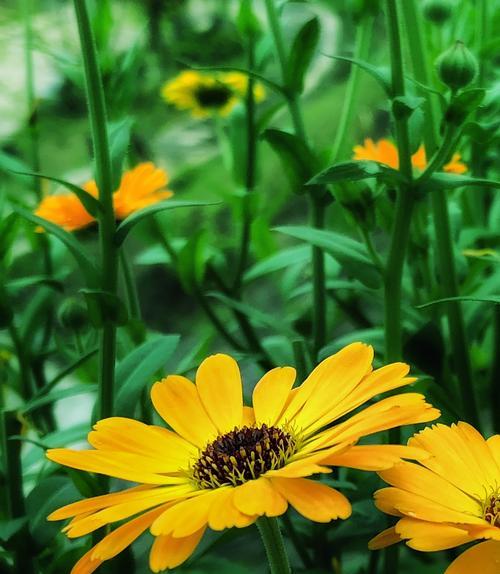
(443, 180)
(8, 234)
(119, 140)
(87, 267)
(278, 261)
(351, 254)
(89, 202)
(357, 170)
(57, 395)
(301, 54)
(191, 262)
(127, 224)
(45, 280)
(381, 75)
(495, 299)
(105, 308)
(135, 371)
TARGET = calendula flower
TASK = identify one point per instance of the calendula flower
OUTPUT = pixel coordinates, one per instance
(140, 187)
(384, 151)
(208, 94)
(224, 464)
(448, 499)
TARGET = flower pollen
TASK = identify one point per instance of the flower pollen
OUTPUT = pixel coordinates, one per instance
(243, 454)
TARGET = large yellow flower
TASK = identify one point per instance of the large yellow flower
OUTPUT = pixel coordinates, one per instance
(449, 499)
(384, 151)
(142, 186)
(208, 94)
(224, 464)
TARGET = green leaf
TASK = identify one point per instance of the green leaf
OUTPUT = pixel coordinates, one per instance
(8, 234)
(278, 261)
(57, 395)
(127, 224)
(463, 104)
(495, 299)
(10, 527)
(351, 254)
(135, 371)
(381, 75)
(191, 262)
(246, 21)
(357, 170)
(303, 48)
(105, 308)
(86, 266)
(89, 202)
(296, 158)
(442, 180)
(119, 140)
(43, 280)
(11, 164)
(404, 106)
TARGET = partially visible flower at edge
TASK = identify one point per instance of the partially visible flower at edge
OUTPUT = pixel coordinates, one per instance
(384, 151)
(139, 187)
(225, 464)
(449, 499)
(208, 94)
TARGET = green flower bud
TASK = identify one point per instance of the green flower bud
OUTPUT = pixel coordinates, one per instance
(438, 11)
(73, 314)
(357, 198)
(457, 66)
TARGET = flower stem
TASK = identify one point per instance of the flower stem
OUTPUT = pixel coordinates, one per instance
(273, 543)
(109, 251)
(444, 243)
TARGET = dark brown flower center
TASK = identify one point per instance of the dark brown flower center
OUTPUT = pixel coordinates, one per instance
(243, 454)
(492, 510)
(215, 96)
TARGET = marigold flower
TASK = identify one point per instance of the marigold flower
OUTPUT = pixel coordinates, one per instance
(208, 95)
(448, 499)
(384, 151)
(140, 187)
(224, 464)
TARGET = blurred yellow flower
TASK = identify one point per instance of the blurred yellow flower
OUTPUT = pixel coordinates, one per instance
(225, 464)
(140, 187)
(449, 499)
(384, 151)
(208, 94)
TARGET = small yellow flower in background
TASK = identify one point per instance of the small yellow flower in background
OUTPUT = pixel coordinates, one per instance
(225, 464)
(384, 151)
(140, 187)
(208, 94)
(449, 499)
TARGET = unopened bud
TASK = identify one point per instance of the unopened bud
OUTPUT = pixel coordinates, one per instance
(438, 11)
(457, 66)
(73, 314)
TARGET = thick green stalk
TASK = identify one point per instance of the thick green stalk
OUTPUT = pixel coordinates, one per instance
(25, 379)
(444, 241)
(11, 449)
(103, 172)
(273, 542)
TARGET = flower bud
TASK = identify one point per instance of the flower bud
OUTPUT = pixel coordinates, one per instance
(73, 314)
(438, 11)
(457, 66)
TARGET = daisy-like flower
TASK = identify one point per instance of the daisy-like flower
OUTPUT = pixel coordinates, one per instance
(224, 464)
(448, 499)
(140, 187)
(384, 151)
(208, 94)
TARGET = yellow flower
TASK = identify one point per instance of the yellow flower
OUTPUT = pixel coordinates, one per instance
(449, 499)
(140, 187)
(225, 464)
(207, 95)
(384, 151)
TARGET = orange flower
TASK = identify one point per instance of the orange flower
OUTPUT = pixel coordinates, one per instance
(384, 151)
(140, 187)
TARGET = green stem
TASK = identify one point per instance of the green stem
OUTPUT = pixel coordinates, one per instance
(11, 450)
(319, 291)
(365, 234)
(442, 154)
(25, 380)
(107, 224)
(444, 243)
(273, 543)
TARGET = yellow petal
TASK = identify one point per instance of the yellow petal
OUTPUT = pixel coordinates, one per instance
(429, 536)
(494, 446)
(387, 537)
(375, 457)
(248, 416)
(86, 565)
(259, 498)
(218, 381)
(185, 518)
(270, 394)
(224, 514)
(126, 466)
(483, 558)
(312, 499)
(177, 401)
(169, 552)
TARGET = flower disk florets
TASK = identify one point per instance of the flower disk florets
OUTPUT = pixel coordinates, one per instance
(215, 96)
(243, 454)
(492, 509)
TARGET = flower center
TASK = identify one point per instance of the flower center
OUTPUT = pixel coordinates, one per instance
(243, 454)
(492, 510)
(215, 96)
